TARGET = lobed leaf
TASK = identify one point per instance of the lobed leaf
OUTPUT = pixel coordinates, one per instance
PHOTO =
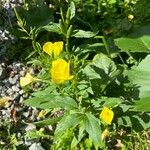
(51, 101)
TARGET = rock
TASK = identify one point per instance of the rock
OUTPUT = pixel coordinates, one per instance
(34, 114)
(36, 146)
(26, 114)
(21, 99)
(30, 127)
(28, 142)
(21, 92)
(9, 91)
(15, 88)
(22, 73)
(16, 97)
(13, 80)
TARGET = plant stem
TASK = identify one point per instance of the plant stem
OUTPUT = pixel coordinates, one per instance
(105, 43)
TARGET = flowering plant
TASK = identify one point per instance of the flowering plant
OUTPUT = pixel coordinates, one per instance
(90, 94)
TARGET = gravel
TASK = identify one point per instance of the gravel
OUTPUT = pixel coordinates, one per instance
(36, 146)
(15, 111)
(15, 116)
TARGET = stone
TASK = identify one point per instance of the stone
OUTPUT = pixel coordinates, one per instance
(15, 88)
(26, 114)
(36, 146)
(30, 127)
(21, 92)
(13, 80)
(9, 91)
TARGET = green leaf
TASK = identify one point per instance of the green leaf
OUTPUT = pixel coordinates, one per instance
(72, 10)
(51, 27)
(140, 77)
(86, 48)
(141, 121)
(77, 140)
(83, 34)
(112, 102)
(92, 126)
(102, 71)
(51, 101)
(67, 122)
(142, 105)
(45, 92)
(100, 68)
(138, 122)
(46, 122)
(34, 134)
(138, 41)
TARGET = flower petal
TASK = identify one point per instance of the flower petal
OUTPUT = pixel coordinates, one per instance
(107, 115)
(58, 47)
(48, 47)
(60, 71)
(26, 80)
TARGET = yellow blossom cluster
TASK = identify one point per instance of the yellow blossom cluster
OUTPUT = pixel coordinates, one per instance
(60, 70)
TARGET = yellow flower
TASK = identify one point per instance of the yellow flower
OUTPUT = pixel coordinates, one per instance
(42, 114)
(60, 71)
(105, 134)
(107, 115)
(27, 80)
(4, 101)
(53, 48)
(130, 17)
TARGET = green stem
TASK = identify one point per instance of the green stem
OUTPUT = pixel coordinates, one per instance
(105, 43)
(62, 16)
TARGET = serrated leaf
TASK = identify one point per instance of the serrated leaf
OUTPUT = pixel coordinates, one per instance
(83, 34)
(138, 41)
(51, 27)
(67, 122)
(44, 92)
(51, 101)
(92, 127)
(46, 122)
(112, 102)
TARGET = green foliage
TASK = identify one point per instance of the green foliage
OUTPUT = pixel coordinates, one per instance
(99, 78)
(102, 71)
(51, 101)
(83, 34)
(138, 41)
(140, 77)
(92, 126)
